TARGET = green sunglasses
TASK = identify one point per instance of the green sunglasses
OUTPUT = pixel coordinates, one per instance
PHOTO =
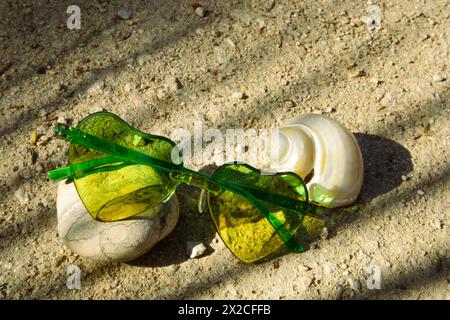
(120, 172)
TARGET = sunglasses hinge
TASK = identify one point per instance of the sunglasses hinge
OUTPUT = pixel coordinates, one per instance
(61, 130)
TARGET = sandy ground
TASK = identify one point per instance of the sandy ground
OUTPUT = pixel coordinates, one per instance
(389, 86)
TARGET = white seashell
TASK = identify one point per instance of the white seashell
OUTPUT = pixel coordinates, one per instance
(110, 241)
(318, 145)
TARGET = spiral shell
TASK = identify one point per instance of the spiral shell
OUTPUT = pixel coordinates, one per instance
(318, 148)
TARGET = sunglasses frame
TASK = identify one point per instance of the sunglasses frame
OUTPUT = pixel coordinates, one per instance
(177, 172)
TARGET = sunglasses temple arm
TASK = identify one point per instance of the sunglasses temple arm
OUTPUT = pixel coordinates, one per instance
(82, 169)
(60, 174)
(77, 136)
(305, 207)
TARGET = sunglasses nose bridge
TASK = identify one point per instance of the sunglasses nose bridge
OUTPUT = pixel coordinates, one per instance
(195, 179)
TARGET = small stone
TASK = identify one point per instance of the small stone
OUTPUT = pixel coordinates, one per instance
(130, 86)
(61, 120)
(379, 96)
(26, 174)
(96, 88)
(124, 13)
(97, 109)
(173, 84)
(195, 249)
(290, 104)
(238, 95)
(331, 110)
(33, 138)
(379, 118)
(284, 82)
(113, 284)
(324, 233)
(61, 86)
(200, 11)
(405, 178)
(268, 5)
(355, 284)
(13, 181)
(302, 268)
(260, 25)
(329, 268)
(373, 19)
(420, 192)
(161, 93)
(44, 139)
(375, 81)
(22, 196)
(438, 77)
(437, 224)
(42, 112)
(355, 72)
(143, 59)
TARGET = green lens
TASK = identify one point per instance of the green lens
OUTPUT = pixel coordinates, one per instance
(128, 190)
(245, 223)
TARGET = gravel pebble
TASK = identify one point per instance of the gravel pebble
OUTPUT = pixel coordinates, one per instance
(284, 82)
(62, 120)
(438, 77)
(173, 84)
(329, 268)
(324, 233)
(161, 93)
(22, 196)
(96, 88)
(195, 249)
(124, 13)
(143, 59)
(355, 72)
(42, 112)
(130, 86)
(200, 11)
(420, 192)
(238, 95)
(375, 81)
